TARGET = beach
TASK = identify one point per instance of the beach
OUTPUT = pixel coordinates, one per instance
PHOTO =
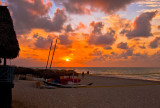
(106, 92)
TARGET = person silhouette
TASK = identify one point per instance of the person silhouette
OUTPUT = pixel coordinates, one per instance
(82, 74)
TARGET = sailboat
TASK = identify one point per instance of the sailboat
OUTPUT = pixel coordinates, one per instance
(70, 85)
(65, 82)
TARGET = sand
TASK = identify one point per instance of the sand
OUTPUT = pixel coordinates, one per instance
(106, 92)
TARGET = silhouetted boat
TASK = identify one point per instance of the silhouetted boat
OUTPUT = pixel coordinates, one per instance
(73, 85)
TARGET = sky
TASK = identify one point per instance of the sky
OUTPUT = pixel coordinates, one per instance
(90, 33)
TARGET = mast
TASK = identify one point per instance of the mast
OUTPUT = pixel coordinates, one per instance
(49, 54)
(53, 53)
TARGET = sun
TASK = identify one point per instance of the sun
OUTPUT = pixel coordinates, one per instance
(67, 60)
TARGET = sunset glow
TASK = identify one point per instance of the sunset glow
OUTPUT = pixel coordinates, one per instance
(95, 33)
(67, 60)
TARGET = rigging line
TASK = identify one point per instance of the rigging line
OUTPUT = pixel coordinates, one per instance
(53, 53)
(49, 54)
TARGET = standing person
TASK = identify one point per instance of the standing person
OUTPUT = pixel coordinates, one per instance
(87, 72)
(82, 74)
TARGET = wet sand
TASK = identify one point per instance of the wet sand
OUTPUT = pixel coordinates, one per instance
(106, 92)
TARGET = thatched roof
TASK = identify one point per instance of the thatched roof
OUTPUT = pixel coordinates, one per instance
(9, 46)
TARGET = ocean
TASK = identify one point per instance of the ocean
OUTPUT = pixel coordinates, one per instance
(144, 73)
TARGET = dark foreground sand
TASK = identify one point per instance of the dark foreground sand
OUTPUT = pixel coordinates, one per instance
(104, 93)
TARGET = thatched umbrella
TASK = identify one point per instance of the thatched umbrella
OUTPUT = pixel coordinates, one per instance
(9, 47)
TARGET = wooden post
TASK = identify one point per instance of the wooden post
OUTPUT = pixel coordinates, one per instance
(6, 85)
(5, 95)
(4, 61)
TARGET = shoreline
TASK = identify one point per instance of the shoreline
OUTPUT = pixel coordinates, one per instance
(153, 76)
(127, 78)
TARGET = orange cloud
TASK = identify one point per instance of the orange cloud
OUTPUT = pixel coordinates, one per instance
(80, 26)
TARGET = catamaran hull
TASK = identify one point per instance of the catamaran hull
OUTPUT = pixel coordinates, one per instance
(67, 85)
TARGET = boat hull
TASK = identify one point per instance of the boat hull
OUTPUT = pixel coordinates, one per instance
(66, 85)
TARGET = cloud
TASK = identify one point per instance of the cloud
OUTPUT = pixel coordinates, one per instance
(98, 55)
(159, 27)
(99, 38)
(105, 39)
(68, 28)
(150, 3)
(142, 26)
(28, 15)
(80, 26)
(142, 47)
(128, 52)
(122, 45)
(155, 42)
(28, 62)
(42, 42)
(96, 52)
(108, 48)
(124, 31)
(97, 27)
(35, 35)
(64, 40)
(86, 6)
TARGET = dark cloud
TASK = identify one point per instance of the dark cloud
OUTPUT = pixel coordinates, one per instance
(142, 26)
(42, 42)
(106, 39)
(68, 28)
(86, 6)
(124, 31)
(35, 35)
(142, 47)
(96, 52)
(122, 45)
(28, 15)
(128, 52)
(136, 39)
(98, 55)
(155, 43)
(159, 27)
(64, 40)
(137, 54)
(113, 53)
(97, 27)
(108, 48)
(99, 38)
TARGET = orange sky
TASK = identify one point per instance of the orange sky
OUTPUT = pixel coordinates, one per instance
(87, 38)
